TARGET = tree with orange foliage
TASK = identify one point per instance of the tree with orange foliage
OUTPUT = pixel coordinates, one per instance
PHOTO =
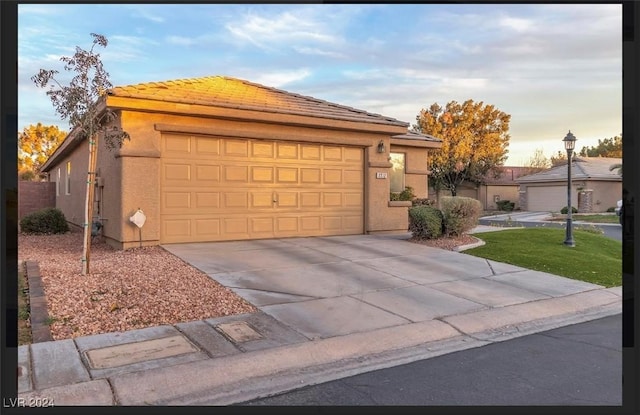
(474, 141)
(36, 143)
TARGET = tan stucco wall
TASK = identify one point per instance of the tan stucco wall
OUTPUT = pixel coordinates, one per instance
(506, 192)
(605, 194)
(73, 205)
(131, 175)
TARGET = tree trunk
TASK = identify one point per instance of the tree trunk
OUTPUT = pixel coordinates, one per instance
(88, 218)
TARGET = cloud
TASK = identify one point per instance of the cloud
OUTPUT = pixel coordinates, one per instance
(144, 12)
(286, 27)
(279, 79)
(304, 50)
(516, 23)
(180, 40)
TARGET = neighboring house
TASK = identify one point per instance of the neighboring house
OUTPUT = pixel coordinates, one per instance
(500, 185)
(595, 188)
(218, 158)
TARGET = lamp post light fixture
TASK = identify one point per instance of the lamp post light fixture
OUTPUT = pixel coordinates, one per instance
(569, 144)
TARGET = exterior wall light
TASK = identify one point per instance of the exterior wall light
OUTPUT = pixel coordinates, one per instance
(381, 148)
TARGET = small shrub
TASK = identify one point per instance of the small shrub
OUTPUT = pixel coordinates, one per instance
(44, 221)
(406, 194)
(425, 222)
(565, 210)
(423, 202)
(611, 209)
(506, 205)
(460, 214)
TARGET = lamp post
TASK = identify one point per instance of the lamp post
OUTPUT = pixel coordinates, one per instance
(569, 144)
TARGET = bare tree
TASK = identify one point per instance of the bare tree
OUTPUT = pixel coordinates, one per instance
(83, 103)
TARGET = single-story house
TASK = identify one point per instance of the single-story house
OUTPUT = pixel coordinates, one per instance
(595, 188)
(219, 159)
(499, 184)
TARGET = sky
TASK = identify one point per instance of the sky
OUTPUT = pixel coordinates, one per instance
(552, 67)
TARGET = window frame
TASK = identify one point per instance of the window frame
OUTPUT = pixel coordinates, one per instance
(393, 173)
(68, 179)
(58, 177)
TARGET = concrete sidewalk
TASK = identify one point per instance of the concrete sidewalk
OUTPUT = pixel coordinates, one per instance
(329, 308)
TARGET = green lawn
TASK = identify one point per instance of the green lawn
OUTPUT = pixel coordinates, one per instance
(595, 258)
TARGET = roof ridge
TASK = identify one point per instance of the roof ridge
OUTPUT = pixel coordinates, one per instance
(176, 82)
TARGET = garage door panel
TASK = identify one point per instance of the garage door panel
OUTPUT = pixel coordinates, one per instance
(235, 200)
(177, 144)
(287, 199)
(216, 189)
(287, 151)
(262, 174)
(177, 172)
(332, 176)
(261, 149)
(207, 173)
(176, 228)
(332, 223)
(207, 200)
(352, 154)
(207, 146)
(235, 226)
(310, 152)
(310, 199)
(287, 175)
(287, 225)
(353, 199)
(261, 200)
(262, 225)
(310, 176)
(353, 176)
(176, 200)
(332, 153)
(236, 174)
(236, 148)
(207, 227)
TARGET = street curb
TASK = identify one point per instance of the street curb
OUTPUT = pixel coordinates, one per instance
(241, 378)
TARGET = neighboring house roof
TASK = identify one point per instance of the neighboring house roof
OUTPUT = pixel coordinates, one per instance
(507, 175)
(222, 91)
(410, 135)
(582, 168)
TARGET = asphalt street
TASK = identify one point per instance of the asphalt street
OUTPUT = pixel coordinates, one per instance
(573, 365)
(614, 232)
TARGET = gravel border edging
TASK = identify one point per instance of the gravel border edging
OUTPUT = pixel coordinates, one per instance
(38, 314)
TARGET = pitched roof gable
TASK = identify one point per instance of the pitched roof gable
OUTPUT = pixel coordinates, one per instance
(221, 91)
(582, 168)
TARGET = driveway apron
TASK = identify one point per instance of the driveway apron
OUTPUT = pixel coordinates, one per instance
(324, 287)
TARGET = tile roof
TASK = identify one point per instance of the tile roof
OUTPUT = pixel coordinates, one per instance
(410, 135)
(582, 168)
(506, 175)
(221, 91)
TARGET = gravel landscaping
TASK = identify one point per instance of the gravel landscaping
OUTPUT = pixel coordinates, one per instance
(131, 289)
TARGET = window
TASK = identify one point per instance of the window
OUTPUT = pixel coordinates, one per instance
(58, 183)
(396, 180)
(68, 181)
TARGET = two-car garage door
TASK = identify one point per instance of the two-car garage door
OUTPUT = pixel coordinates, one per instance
(217, 189)
(549, 198)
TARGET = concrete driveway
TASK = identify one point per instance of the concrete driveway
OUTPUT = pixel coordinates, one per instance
(332, 286)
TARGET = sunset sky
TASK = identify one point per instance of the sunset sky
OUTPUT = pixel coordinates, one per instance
(553, 67)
